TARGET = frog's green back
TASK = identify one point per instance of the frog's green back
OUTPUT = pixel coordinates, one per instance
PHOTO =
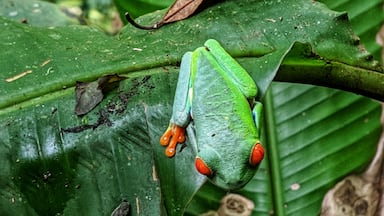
(223, 121)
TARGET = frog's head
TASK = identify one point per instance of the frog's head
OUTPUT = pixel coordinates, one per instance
(230, 170)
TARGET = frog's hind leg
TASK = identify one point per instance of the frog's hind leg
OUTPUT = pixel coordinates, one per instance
(234, 70)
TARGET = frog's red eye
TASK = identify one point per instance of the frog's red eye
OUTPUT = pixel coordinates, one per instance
(202, 167)
(257, 154)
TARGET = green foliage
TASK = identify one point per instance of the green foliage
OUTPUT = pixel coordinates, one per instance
(312, 134)
(366, 19)
(34, 12)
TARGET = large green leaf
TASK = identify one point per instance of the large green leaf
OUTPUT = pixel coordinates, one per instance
(331, 130)
(314, 136)
(89, 173)
(46, 170)
(366, 19)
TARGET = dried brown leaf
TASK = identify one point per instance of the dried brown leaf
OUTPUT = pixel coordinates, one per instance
(380, 40)
(180, 10)
(235, 204)
(90, 94)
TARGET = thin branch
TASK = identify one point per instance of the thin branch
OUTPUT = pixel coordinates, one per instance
(336, 75)
(134, 23)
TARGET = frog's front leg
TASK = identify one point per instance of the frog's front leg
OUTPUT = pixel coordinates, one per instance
(181, 116)
(257, 154)
(257, 113)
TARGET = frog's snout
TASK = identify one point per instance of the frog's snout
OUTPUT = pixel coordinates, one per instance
(229, 184)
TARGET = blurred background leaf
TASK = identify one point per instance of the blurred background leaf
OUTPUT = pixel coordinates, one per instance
(140, 7)
(37, 13)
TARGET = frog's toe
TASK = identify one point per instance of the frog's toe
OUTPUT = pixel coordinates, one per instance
(166, 137)
(181, 135)
(170, 152)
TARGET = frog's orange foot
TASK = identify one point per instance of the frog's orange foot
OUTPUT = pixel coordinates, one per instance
(171, 137)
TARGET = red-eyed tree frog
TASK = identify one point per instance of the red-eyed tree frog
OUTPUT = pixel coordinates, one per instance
(215, 101)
